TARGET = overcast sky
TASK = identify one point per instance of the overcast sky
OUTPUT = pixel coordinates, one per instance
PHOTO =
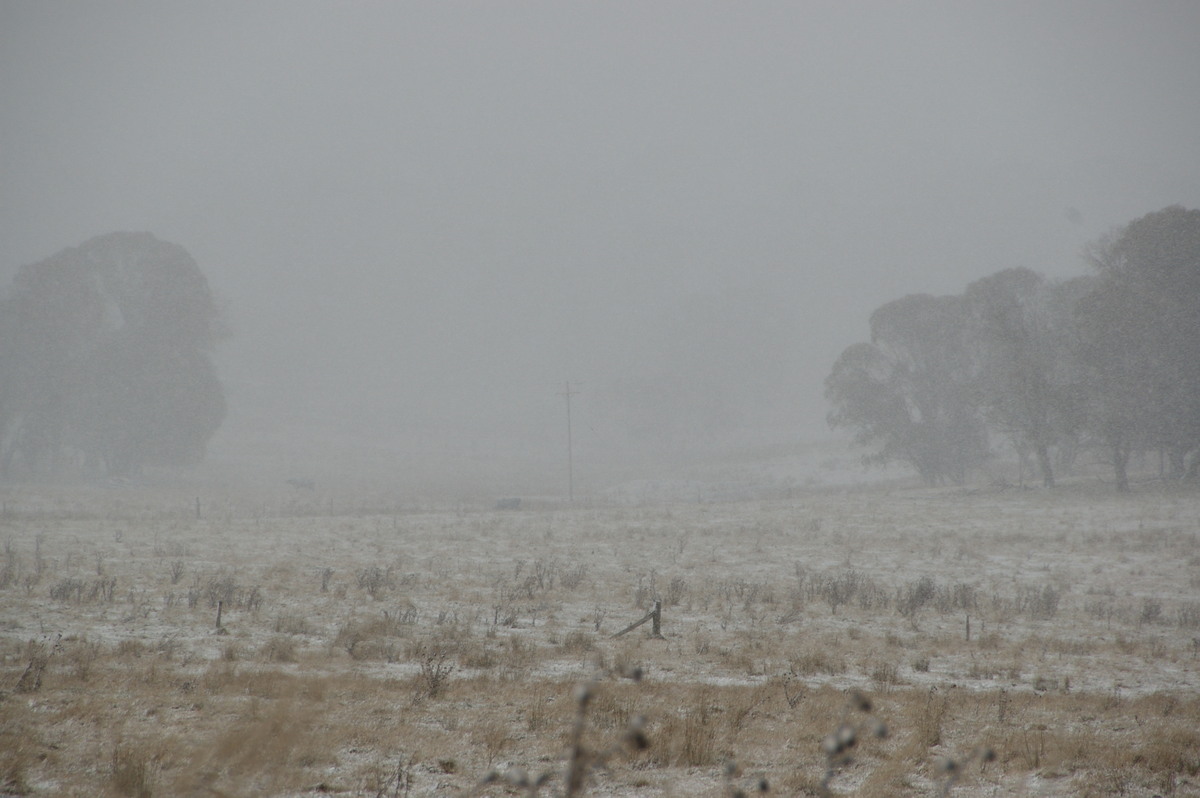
(424, 217)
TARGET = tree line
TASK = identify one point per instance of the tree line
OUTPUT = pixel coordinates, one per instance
(104, 360)
(1109, 360)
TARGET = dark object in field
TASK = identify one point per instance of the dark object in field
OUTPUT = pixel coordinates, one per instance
(508, 504)
(302, 484)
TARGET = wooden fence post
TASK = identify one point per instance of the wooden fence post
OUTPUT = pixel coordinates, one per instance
(654, 615)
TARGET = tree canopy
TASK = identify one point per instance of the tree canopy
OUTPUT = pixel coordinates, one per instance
(1024, 381)
(1108, 360)
(104, 360)
(907, 391)
(1141, 337)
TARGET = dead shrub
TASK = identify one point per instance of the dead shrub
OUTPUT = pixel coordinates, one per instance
(493, 738)
(742, 707)
(130, 648)
(279, 648)
(376, 637)
(915, 596)
(81, 656)
(69, 589)
(578, 642)
(516, 652)
(885, 676)
(677, 589)
(436, 668)
(1027, 747)
(816, 662)
(293, 623)
(39, 653)
(1187, 616)
(927, 724)
(538, 715)
(375, 581)
(571, 579)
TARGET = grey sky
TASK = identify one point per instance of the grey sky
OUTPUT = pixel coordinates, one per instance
(425, 216)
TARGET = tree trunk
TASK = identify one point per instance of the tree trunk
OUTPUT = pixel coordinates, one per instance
(1043, 456)
(1120, 459)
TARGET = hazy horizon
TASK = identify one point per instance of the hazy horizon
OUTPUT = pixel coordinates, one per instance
(423, 219)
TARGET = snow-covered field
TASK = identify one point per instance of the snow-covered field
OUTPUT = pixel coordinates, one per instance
(381, 647)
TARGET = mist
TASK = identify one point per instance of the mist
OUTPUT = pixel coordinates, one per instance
(424, 219)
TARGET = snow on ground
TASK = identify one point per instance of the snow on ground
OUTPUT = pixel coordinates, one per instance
(1073, 591)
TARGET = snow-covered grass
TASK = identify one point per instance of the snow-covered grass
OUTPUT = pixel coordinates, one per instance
(378, 647)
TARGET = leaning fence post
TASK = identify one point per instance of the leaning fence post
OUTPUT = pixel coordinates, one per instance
(655, 615)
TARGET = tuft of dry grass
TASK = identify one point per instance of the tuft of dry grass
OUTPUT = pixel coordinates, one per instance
(130, 772)
(688, 737)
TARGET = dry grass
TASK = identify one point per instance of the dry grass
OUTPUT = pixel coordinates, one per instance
(403, 653)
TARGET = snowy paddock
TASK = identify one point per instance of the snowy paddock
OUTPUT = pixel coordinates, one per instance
(377, 648)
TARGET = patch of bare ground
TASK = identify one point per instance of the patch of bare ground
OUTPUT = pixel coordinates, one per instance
(874, 642)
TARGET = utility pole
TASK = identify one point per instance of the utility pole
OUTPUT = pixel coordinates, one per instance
(567, 394)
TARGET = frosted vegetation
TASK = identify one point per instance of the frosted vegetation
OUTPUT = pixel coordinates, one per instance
(300, 641)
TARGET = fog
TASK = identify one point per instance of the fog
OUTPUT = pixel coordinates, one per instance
(423, 219)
